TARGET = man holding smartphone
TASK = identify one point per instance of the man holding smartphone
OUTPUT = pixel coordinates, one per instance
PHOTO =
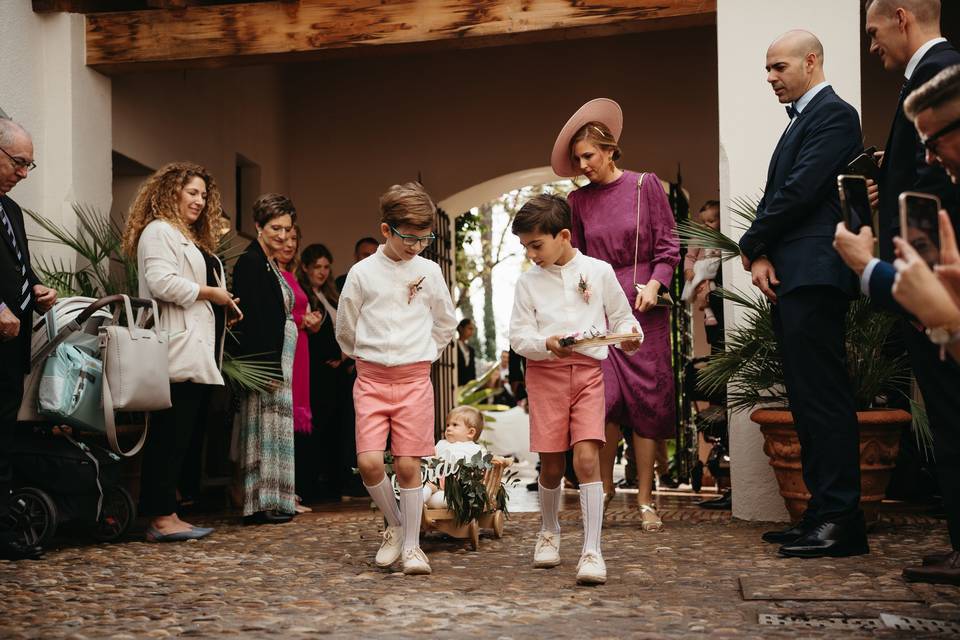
(789, 254)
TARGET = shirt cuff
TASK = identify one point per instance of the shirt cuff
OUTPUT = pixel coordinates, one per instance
(3, 305)
(865, 278)
(662, 273)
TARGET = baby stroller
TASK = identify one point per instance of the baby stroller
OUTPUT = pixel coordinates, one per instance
(59, 475)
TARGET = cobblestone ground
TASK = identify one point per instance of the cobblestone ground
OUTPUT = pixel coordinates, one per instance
(315, 576)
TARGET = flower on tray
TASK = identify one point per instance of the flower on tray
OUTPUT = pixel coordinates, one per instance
(414, 287)
(585, 289)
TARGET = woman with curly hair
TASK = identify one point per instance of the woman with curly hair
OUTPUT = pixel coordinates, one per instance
(173, 229)
(268, 334)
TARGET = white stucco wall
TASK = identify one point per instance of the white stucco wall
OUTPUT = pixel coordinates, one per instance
(751, 121)
(66, 108)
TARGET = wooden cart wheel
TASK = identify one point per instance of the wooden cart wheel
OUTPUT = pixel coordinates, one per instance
(473, 530)
(498, 524)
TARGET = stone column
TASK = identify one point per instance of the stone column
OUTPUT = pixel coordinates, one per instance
(66, 107)
(751, 121)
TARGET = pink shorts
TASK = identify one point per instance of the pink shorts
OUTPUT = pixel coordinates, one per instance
(566, 402)
(394, 401)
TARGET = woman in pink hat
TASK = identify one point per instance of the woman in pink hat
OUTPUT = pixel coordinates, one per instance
(624, 218)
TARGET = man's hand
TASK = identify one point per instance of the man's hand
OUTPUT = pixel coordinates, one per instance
(632, 345)
(873, 194)
(878, 157)
(9, 325)
(553, 345)
(856, 250)
(919, 290)
(647, 297)
(45, 297)
(746, 262)
(764, 277)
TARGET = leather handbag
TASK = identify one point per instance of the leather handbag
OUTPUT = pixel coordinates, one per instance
(136, 371)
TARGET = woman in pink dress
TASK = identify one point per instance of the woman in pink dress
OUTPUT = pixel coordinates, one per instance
(307, 321)
(624, 218)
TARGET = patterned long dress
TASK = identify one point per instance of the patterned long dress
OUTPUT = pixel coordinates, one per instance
(267, 460)
(639, 389)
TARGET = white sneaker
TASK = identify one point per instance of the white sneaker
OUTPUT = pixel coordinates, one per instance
(591, 569)
(415, 563)
(390, 548)
(547, 552)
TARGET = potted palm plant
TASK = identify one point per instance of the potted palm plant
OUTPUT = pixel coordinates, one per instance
(750, 370)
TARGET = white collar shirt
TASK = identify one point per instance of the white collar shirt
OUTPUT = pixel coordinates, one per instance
(551, 301)
(808, 97)
(918, 56)
(395, 312)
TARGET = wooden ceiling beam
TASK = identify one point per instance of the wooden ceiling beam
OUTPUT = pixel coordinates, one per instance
(204, 36)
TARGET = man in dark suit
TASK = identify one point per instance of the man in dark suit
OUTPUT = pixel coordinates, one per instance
(20, 293)
(466, 360)
(364, 248)
(789, 254)
(906, 36)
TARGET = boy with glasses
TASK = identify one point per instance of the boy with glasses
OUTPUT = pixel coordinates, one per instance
(395, 318)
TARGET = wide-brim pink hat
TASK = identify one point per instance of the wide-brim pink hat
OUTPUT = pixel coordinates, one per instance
(603, 110)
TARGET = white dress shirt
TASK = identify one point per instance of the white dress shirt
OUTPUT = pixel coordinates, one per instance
(918, 56)
(378, 320)
(550, 302)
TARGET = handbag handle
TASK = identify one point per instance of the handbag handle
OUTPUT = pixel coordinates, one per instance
(131, 324)
(636, 247)
(110, 421)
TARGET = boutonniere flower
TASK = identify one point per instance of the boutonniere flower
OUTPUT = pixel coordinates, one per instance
(585, 289)
(414, 287)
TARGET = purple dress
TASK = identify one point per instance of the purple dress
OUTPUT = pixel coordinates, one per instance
(302, 422)
(639, 390)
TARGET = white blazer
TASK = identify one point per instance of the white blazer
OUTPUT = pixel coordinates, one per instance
(171, 270)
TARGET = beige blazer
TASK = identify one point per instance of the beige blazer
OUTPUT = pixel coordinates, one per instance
(171, 270)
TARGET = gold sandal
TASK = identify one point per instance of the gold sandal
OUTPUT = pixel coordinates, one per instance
(650, 525)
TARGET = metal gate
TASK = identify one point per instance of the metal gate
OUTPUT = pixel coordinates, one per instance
(444, 371)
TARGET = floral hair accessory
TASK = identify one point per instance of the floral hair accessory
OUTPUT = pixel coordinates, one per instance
(585, 289)
(414, 287)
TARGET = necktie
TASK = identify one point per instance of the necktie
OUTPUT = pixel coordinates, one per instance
(792, 111)
(24, 289)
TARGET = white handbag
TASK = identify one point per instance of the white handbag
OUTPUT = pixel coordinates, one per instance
(136, 371)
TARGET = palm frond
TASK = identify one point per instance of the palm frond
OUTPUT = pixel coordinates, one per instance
(695, 235)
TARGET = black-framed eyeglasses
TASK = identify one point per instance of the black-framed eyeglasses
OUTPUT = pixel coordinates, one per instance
(931, 142)
(20, 163)
(411, 240)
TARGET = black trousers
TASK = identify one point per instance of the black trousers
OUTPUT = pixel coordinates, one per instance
(11, 393)
(809, 325)
(171, 432)
(939, 382)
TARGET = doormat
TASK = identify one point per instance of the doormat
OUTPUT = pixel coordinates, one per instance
(846, 590)
(885, 621)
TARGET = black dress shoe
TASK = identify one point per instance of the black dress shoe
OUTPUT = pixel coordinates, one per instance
(944, 572)
(268, 517)
(788, 535)
(17, 550)
(936, 558)
(830, 540)
(723, 503)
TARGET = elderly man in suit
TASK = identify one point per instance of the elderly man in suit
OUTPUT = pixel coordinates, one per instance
(20, 293)
(789, 254)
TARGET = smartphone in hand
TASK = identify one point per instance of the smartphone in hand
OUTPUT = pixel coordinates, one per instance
(865, 165)
(920, 225)
(854, 202)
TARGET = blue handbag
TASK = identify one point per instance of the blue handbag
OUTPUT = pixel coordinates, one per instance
(71, 387)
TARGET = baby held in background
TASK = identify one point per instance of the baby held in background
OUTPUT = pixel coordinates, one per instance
(464, 426)
(700, 267)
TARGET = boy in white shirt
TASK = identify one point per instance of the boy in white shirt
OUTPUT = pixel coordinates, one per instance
(395, 317)
(565, 293)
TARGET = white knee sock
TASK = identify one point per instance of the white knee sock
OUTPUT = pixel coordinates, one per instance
(549, 509)
(591, 506)
(386, 501)
(411, 510)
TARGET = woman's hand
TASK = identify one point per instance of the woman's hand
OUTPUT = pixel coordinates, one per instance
(647, 297)
(688, 275)
(334, 364)
(920, 291)
(216, 295)
(311, 322)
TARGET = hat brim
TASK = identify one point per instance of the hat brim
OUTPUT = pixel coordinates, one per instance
(602, 110)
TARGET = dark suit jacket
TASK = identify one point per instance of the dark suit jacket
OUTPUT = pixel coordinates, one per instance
(904, 167)
(798, 214)
(15, 352)
(260, 333)
(466, 372)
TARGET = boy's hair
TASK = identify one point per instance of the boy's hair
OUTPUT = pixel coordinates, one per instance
(471, 416)
(545, 213)
(407, 204)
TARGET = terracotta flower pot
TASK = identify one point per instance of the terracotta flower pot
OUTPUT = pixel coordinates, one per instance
(880, 431)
